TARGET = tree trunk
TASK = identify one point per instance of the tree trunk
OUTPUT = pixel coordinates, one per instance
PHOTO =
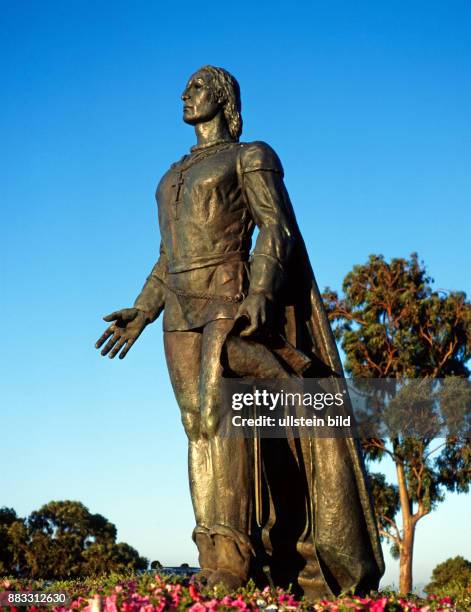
(405, 563)
(408, 530)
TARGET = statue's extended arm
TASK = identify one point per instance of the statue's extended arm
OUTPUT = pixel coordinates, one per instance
(268, 201)
(128, 324)
(151, 300)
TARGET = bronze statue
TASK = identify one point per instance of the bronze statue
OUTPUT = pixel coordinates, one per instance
(229, 313)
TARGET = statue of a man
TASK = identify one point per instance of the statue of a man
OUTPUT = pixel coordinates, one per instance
(229, 313)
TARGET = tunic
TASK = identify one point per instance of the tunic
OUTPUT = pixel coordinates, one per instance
(209, 203)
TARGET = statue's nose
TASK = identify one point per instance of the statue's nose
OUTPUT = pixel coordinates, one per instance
(185, 95)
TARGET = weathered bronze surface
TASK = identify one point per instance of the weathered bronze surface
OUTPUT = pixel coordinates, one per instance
(298, 509)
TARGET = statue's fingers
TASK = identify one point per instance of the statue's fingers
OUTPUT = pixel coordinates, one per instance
(109, 345)
(254, 320)
(117, 347)
(251, 329)
(125, 350)
(103, 338)
(114, 316)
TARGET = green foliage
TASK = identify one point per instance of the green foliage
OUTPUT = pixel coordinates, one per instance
(395, 551)
(113, 557)
(62, 540)
(386, 498)
(13, 539)
(386, 504)
(392, 324)
(454, 572)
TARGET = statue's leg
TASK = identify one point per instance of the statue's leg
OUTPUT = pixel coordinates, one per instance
(183, 353)
(230, 469)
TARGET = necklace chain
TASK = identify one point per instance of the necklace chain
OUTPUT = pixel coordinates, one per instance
(208, 145)
(202, 154)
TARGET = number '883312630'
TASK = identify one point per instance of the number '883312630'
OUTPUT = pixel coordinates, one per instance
(34, 598)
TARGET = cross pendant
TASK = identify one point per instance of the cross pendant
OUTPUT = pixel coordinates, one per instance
(178, 186)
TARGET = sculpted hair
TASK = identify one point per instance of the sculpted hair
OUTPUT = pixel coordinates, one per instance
(227, 91)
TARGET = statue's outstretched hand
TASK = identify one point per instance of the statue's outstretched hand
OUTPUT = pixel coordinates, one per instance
(126, 328)
(254, 309)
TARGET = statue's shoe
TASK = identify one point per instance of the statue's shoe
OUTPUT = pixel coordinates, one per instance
(227, 579)
(315, 589)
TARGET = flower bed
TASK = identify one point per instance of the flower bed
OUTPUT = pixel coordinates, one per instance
(155, 593)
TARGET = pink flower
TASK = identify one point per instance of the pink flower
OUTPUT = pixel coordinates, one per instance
(195, 596)
(110, 604)
(379, 605)
(239, 603)
(287, 600)
(197, 607)
(212, 604)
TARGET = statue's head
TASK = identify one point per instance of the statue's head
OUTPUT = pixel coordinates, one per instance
(211, 90)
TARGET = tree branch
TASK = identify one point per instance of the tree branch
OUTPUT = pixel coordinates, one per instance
(434, 450)
(447, 355)
(390, 536)
(394, 526)
(373, 442)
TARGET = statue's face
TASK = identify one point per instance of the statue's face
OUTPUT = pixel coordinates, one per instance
(199, 103)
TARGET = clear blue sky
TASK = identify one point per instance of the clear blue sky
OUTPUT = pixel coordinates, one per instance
(368, 105)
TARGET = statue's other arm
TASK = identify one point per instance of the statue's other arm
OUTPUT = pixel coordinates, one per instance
(269, 206)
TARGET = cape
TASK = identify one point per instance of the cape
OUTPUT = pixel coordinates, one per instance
(342, 525)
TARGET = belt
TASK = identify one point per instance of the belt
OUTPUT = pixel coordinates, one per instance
(239, 297)
(203, 261)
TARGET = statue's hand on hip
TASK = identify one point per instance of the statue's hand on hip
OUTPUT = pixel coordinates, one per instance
(254, 308)
(126, 328)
